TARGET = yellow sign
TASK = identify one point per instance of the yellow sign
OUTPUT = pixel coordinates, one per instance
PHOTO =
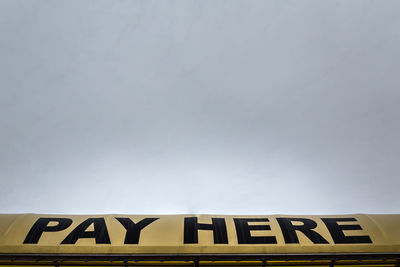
(198, 234)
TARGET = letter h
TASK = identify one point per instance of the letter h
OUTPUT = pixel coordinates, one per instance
(218, 227)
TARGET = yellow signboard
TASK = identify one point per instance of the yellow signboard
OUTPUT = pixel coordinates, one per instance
(198, 234)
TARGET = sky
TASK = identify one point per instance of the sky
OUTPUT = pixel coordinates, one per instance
(216, 107)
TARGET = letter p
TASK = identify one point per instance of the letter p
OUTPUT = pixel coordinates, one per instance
(41, 225)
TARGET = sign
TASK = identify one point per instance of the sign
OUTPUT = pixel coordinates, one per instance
(198, 234)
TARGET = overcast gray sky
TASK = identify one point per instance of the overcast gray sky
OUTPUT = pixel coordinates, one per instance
(232, 107)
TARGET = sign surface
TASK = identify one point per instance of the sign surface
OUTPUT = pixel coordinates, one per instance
(198, 234)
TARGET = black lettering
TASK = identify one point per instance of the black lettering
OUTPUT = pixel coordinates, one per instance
(289, 230)
(133, 229)
(338, 236)
(100, 232)
(244, 235)
(41, 225)
(218, 227)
